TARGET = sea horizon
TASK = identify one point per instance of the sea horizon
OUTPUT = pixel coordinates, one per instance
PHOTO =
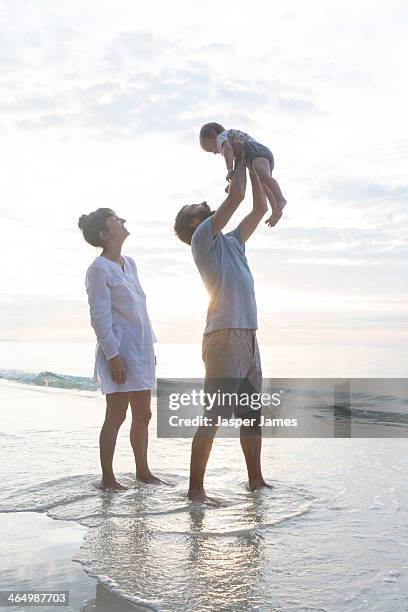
(183, 360)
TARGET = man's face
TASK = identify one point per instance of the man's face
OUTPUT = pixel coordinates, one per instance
(197, 209)
(198, 212)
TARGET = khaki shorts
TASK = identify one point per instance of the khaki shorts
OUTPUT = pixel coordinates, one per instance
(232, 365)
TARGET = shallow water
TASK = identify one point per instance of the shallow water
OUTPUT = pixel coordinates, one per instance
(330, 534)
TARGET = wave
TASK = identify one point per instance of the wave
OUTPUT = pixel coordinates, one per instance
(65, 381)
(363, 406)
(48, 379)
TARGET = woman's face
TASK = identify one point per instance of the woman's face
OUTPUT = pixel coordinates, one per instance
(116, 228)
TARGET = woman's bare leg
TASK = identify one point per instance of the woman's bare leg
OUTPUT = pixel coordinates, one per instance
(141, 415)
(116, 407)
(271, 187)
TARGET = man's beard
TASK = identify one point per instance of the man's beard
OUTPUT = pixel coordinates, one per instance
(205, 212)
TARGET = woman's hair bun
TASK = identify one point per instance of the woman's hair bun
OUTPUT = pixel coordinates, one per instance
(82, 221)
(93, 224)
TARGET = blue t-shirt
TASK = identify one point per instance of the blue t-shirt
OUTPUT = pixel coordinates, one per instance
(224, 269)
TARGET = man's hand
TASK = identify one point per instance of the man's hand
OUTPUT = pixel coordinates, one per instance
(229, 175)
(117, 369)
(238, 147)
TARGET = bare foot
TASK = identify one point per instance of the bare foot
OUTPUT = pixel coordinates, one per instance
(150, 479)
(276, 214)
(112, 485)
(259, 484)
(274, 218)
(200, 496)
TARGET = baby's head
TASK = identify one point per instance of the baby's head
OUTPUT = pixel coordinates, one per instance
(208, 136)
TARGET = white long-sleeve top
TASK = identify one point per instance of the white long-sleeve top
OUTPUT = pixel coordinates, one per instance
(121, 322)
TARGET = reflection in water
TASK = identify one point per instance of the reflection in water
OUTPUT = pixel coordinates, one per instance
(225, 571)
(199, 565)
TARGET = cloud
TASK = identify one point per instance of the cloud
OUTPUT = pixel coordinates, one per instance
(170, 103)
(8, 213)
(333, 245)
(102, 107)
(366, 191)
(297, 106)
(136, 84)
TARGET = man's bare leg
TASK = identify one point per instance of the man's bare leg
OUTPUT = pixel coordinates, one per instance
(116, 407)
(200, 452)
(251, 446)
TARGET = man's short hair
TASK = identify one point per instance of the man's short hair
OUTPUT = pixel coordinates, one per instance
(182, 225)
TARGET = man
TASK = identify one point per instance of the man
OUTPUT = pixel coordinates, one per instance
(230, 348)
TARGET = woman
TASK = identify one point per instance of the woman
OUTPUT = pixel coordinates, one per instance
(125, 360)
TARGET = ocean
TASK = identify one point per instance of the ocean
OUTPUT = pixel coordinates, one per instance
(330, 535)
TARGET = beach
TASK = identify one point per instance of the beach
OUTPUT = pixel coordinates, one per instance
(330, 534)
(42, 551)
(118, 219)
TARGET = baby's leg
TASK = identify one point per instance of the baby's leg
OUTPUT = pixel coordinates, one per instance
(277, 192)
(262, 169)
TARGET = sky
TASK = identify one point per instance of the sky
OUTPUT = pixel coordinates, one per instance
(101, 104)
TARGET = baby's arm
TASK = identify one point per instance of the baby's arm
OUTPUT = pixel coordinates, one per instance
(228, 153)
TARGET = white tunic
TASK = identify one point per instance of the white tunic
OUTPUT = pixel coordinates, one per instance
(122, 325)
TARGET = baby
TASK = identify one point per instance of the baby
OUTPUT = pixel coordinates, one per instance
(215, 139)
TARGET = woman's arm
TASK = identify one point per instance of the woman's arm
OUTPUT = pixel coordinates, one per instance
(100, 306)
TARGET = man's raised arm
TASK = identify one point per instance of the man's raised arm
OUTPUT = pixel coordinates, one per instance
(235, 196)
(249, 223)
